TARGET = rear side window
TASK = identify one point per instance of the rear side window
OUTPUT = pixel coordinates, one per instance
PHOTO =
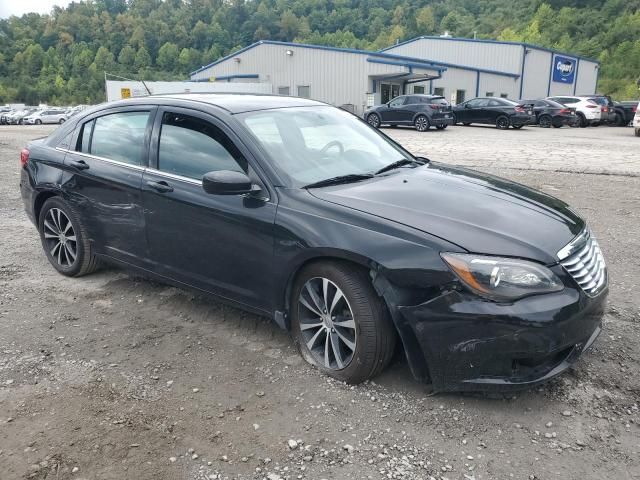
(117, 136)
(191, 147)
(438, 101)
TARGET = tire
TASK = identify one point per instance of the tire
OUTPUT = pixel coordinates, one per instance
(517, 127)
(373, 119)
(637, 132)
(38, 122)
(545, 121)
(582, 121)
(557, 125)
(422, 123)
(370, 332)
(62, 120)
(441, 127)
(502, 122)
(620, 120)
(55, 216)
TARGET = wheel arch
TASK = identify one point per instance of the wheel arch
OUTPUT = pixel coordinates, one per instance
(40, 199)
(408, 341)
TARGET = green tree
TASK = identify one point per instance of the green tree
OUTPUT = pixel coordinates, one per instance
(168, 56)
(127, 56)
(142, 60)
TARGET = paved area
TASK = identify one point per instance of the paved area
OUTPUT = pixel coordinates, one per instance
(604, 150)
(115, 377)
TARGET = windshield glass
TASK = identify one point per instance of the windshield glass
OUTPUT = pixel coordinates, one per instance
(309, 144)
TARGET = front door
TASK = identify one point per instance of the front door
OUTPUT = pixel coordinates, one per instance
(104, 166)
(219, 243)
(395, 113)
(389, 91)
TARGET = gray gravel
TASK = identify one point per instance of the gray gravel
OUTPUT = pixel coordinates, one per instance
(119, 377)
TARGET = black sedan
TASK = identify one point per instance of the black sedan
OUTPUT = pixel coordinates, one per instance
(301, 212)
(501, 112)
(421, 111)
(551, 114)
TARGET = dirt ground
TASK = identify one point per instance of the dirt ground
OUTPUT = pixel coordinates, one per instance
(114, 377)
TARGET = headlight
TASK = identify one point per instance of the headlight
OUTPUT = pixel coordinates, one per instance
(502, 279)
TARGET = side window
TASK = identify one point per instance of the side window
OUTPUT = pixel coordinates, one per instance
(397, 102)
(495, 103)
(191, 147)
(119, 136)
(84, 140)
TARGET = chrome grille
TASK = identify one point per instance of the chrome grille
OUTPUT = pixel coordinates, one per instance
(583, 259)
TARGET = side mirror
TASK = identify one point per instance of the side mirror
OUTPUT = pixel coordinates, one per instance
(227, 182)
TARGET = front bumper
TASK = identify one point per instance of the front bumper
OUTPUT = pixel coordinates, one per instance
(520, 119)
(472, 344)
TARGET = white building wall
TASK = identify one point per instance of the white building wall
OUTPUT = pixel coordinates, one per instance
(453, 80)
(537, 73)
(335, 77)
(489, 56)
(587, 77)
(499, 85)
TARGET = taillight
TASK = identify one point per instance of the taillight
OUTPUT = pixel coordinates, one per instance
(434, 107)
(605, 109)
(565, 110)
(634, 109)
(24, 157)
(519, 108)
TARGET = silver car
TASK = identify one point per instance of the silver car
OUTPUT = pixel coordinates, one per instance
(46, 116)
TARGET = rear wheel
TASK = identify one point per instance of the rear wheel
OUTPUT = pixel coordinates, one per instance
(441, 127)
(339, 323)
(64, 239)
(502, 122)
(422, 123)
(61, 121)
(582, 121)
(374, 120)
(545, 121)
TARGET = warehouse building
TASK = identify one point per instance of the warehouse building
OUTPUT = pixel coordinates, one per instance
(457, 68)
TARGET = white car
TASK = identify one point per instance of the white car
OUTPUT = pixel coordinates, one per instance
(587, 110)
(636, 121)
(46, 116)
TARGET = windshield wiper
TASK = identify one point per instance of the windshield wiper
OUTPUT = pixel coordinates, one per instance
(352, 177)
(397, 164)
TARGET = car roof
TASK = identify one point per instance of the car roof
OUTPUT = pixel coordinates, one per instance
(241, 102)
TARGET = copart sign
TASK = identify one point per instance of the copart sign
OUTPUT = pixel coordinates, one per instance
(564, 69)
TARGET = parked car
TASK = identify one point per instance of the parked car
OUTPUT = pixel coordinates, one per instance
(297, 210)
(421, 111)
(607, 105)
(636, 120)
(17, 118)
(4, 117)
(549, 113)
(588, 111)
(45, 116)
(625, 111)
(500, 112)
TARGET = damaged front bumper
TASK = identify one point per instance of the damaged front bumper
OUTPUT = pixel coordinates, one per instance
(472, 344)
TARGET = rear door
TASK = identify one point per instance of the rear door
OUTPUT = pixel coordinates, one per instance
(103, 176)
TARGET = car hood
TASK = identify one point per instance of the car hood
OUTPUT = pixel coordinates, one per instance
(478, 212)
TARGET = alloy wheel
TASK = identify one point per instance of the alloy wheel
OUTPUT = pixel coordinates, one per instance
(422, 124)
(503, 123)
(326, 323)
(60, 238)
(373, 120)
(545, 121)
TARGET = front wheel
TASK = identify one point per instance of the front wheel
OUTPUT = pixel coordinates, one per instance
(38, 122)
(339, 324)
(441, 127)
(64, 239)
(582, 121)
(502, 122)
(61, 121)
(374, 120)
(421, 123)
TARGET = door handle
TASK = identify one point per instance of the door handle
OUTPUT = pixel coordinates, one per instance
(79, 164)
(161, 186)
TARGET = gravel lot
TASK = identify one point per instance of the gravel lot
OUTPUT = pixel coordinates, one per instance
(115, 377)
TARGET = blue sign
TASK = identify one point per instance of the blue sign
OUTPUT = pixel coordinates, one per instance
(564, 69)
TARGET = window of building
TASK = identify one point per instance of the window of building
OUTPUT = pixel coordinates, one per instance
(504, 95)
(438, 91)
(460, 95)
(191, 147)
(489, 94)
(283, 91)
(118, 136)
(304, 91)
(418, 89)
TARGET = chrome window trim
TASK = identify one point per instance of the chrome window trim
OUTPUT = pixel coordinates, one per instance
(103, 159)
(174, 176)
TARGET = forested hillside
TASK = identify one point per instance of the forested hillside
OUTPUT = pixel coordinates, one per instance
(62, 57)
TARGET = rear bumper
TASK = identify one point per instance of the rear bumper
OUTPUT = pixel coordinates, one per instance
(442, 119)
(564, 119)
(474, 345)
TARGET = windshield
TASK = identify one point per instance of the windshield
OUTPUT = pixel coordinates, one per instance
(310, 144)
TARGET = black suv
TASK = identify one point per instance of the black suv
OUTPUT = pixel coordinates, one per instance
(421, 111)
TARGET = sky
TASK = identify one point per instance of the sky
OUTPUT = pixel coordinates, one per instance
(18, 7)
